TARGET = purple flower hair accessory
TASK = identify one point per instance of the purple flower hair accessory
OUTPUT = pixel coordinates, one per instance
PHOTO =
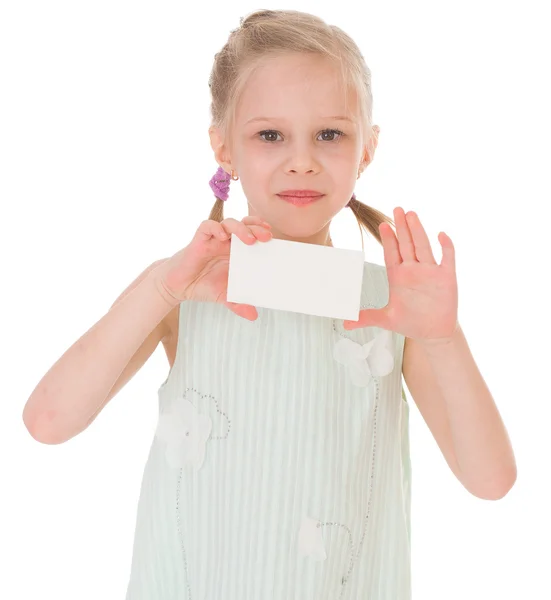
(220, 184)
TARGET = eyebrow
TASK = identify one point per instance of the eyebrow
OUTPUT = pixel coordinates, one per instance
(334, 118)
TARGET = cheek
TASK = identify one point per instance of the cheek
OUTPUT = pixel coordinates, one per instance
(255, 184)
(256, 167)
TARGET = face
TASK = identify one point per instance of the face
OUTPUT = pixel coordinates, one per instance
(295, 130)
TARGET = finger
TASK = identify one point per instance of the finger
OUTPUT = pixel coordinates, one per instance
(261, 233)
(391, 250)
(255, 220)
(370, 317)
(423, 250)
(219, 232)
(405, 241)
(208, 229)
(248, 234)
(241, 230)
(448, 251)
(246, 311)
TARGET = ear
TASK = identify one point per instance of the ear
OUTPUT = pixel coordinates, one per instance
(370, 147)
(220, 150)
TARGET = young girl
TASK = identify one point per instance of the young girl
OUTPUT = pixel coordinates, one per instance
(280, 465)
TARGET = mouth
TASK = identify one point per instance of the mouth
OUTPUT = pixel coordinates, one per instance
(301, 197)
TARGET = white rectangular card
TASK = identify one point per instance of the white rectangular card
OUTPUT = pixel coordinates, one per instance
(297, 277)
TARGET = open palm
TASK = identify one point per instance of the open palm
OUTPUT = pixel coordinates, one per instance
(423, 296)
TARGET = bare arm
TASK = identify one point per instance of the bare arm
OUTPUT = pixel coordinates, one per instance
(75, 389)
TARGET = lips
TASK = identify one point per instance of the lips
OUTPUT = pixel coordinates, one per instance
(301, 201)
(301, 193)
(301, 197)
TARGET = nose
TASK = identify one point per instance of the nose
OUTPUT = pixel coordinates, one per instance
(302, 159)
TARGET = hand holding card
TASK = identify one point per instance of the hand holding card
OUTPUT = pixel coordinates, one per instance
(200, 270)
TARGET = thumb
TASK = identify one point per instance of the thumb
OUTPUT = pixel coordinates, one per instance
(246, 311)
(369, 317)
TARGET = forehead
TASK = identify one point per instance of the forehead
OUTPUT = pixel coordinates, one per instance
(295, 85)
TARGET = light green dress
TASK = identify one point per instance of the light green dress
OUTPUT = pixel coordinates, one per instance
(280, 466)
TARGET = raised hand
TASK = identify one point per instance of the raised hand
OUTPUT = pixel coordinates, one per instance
(423, 295)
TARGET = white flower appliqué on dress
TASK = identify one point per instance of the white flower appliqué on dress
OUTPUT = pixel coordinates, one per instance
(365, 361)
(184, 432)
(310, 539)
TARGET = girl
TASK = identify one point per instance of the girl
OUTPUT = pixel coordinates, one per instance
(280, 465)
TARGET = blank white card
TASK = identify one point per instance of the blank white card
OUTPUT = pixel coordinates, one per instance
(297, 277)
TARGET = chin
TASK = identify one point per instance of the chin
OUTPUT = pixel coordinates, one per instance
(298, 233)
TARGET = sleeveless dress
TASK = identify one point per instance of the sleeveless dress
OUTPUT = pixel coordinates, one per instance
(280, 466)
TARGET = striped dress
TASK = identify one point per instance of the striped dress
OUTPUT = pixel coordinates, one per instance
(280, 465)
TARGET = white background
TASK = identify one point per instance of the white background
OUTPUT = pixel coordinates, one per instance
(104, 168)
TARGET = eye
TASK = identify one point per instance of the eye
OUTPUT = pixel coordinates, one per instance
(273, 133)
(334, 132)
(268, 132)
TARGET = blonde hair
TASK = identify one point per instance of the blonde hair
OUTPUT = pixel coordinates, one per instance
(271, 33)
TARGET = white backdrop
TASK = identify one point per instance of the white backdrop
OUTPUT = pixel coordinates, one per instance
(104, 168)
